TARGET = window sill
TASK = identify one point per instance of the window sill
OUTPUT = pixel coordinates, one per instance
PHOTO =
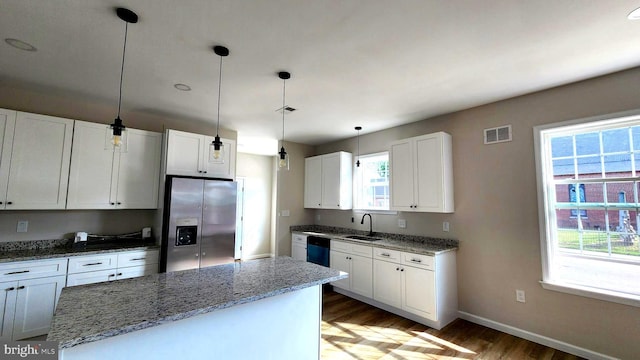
(381, 212)
(600, 294)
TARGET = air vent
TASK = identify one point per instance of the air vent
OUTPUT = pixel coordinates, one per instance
(287, 109)
(497, 134)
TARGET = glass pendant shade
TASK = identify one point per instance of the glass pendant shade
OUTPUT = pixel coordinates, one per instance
(283, 159)
(216, 151)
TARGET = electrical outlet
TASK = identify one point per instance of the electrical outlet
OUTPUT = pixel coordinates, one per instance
(23, 226)
(520, 296)
(286, 213)
(402, 223)
(445, 226)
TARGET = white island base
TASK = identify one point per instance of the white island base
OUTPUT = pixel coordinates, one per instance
(286, 326)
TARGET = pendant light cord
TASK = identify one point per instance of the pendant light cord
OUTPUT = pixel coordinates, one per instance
(284, 86)
(219, 92)
(124, 50)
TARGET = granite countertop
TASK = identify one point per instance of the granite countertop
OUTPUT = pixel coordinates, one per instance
(50, 249)
(98, 311)
(410, 243)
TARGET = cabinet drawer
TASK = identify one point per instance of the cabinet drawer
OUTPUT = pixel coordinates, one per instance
(137, 258)
(300, 239)
(91, 277)
(340, 246)
(362, 250)
(421, 261)
(32, 269)
(386, 254)
(79, 264)
(136, 271)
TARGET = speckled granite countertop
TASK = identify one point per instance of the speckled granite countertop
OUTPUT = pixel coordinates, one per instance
(409, 243)
(98, 311)
(50, 249)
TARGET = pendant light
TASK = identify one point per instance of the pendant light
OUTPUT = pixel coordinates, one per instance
(283, 161)
(358, 128)
(216, 149)
(129, 17)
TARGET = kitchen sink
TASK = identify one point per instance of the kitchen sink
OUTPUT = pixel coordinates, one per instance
(362, 237)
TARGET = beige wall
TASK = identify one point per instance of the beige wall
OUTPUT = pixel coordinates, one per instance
(290, 190)
(496, 218)
(257, 172)
(61, 223)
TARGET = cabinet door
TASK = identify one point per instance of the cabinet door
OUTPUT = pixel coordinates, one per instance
(8, 292)
(212, 168)
(401, 176)
(340, 261)
(7, 125)
(419, 290)
(183, 153)
(313, 182)
(91, 277)
(138, 171)
(361, 275)
(91, 168)
(39, 170)
(36, 301)
(387, 283)
(331, 181)
(299, 252)
(428, 176)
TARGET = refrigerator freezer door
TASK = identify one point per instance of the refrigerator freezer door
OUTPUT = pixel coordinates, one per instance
(185, 228)
(218, 223)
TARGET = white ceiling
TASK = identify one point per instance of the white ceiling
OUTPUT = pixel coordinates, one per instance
(372, 63)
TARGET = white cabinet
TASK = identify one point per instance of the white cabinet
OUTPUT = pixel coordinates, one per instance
(34, 164)
(104, 178)
(189, 154)
(29, 292)
(421, 177)
(91, 269)
(328, 181)
(408, 281)
(356, 260)
(299, 247)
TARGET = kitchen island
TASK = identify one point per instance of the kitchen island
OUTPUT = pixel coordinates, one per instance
(267, 309)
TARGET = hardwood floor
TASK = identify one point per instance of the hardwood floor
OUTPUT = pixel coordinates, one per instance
(354, 330)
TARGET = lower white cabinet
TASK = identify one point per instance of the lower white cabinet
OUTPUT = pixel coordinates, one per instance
(417, 286)
(356, 260)
(91, 269)
(299, 247)
(27, 299)
(406, 281)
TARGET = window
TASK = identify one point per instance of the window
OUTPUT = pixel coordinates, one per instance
(589, 191)
(371, 182)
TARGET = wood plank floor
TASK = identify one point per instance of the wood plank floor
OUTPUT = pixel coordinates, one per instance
(354, 330)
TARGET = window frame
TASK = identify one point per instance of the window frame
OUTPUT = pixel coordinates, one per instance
(357, 182)
(542, 154)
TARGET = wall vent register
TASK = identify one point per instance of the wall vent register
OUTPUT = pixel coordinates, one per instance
(497, 134)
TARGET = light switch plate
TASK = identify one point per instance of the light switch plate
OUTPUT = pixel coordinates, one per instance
(445, 226)
(23, 226)
(286, 213)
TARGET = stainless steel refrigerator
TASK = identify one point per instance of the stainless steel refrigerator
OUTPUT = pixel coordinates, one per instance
(199, 223)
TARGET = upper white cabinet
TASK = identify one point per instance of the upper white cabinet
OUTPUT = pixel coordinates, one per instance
(421, 176)
(189, 154)
(328, 181)
(34, 164)
(104, 178)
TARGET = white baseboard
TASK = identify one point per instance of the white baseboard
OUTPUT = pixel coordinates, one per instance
(536, 338)
(257, 256)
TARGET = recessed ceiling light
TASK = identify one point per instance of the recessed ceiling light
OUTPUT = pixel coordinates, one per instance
(19, 44)
(182, 87)
(634, 15)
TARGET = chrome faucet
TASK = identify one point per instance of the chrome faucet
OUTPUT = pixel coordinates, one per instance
(370, 223)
